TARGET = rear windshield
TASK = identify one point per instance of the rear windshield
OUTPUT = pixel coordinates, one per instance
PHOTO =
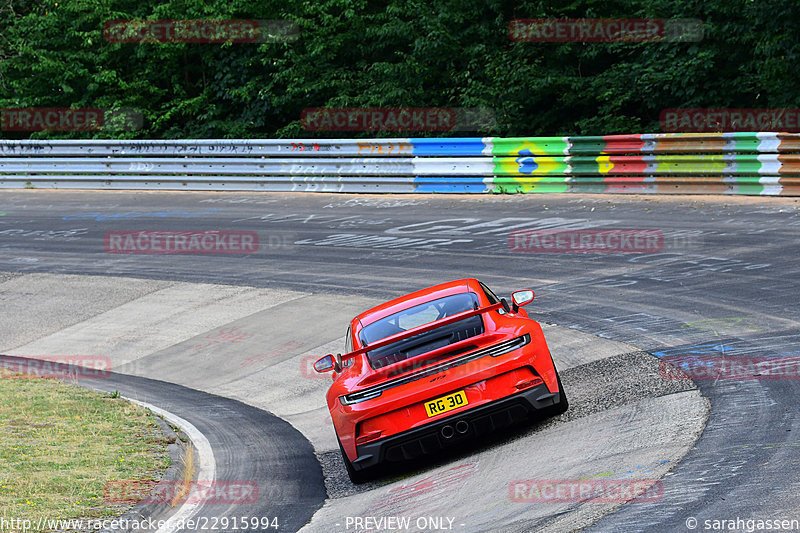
(417, 316)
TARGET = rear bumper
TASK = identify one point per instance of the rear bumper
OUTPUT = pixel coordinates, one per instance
(479, 421)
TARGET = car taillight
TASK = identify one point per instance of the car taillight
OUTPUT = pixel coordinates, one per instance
(368, 437)
(358, 397)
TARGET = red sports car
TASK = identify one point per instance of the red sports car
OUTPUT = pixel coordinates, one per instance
(435, 367)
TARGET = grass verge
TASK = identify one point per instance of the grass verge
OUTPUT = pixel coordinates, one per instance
(61, 445)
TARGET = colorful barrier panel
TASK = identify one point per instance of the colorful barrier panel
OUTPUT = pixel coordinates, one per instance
(682, 163)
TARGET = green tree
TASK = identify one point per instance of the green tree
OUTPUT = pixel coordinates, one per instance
(394, 53)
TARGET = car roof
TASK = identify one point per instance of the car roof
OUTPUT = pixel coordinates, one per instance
(418, 297)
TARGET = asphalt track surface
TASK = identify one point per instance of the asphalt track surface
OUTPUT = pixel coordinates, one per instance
(725, 284)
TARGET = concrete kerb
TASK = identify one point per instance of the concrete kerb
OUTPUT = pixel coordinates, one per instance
(179, 449)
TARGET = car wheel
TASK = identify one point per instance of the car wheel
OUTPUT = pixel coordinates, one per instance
(563, 403)
(356, 476)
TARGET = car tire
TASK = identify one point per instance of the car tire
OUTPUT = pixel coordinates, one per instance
(356, 476)
(563, 403)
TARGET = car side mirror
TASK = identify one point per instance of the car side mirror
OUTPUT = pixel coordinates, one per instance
(521, 298)
(328, 363)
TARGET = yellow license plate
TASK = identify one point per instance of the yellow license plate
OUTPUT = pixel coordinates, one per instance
(446, 403)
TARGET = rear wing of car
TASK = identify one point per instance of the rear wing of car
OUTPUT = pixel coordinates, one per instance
(329, 361)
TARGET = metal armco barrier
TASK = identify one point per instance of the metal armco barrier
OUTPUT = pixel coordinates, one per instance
(682, 163)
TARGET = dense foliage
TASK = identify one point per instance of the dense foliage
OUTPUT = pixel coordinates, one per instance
(395, 53)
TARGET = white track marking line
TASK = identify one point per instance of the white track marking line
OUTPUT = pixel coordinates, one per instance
(207, 466)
